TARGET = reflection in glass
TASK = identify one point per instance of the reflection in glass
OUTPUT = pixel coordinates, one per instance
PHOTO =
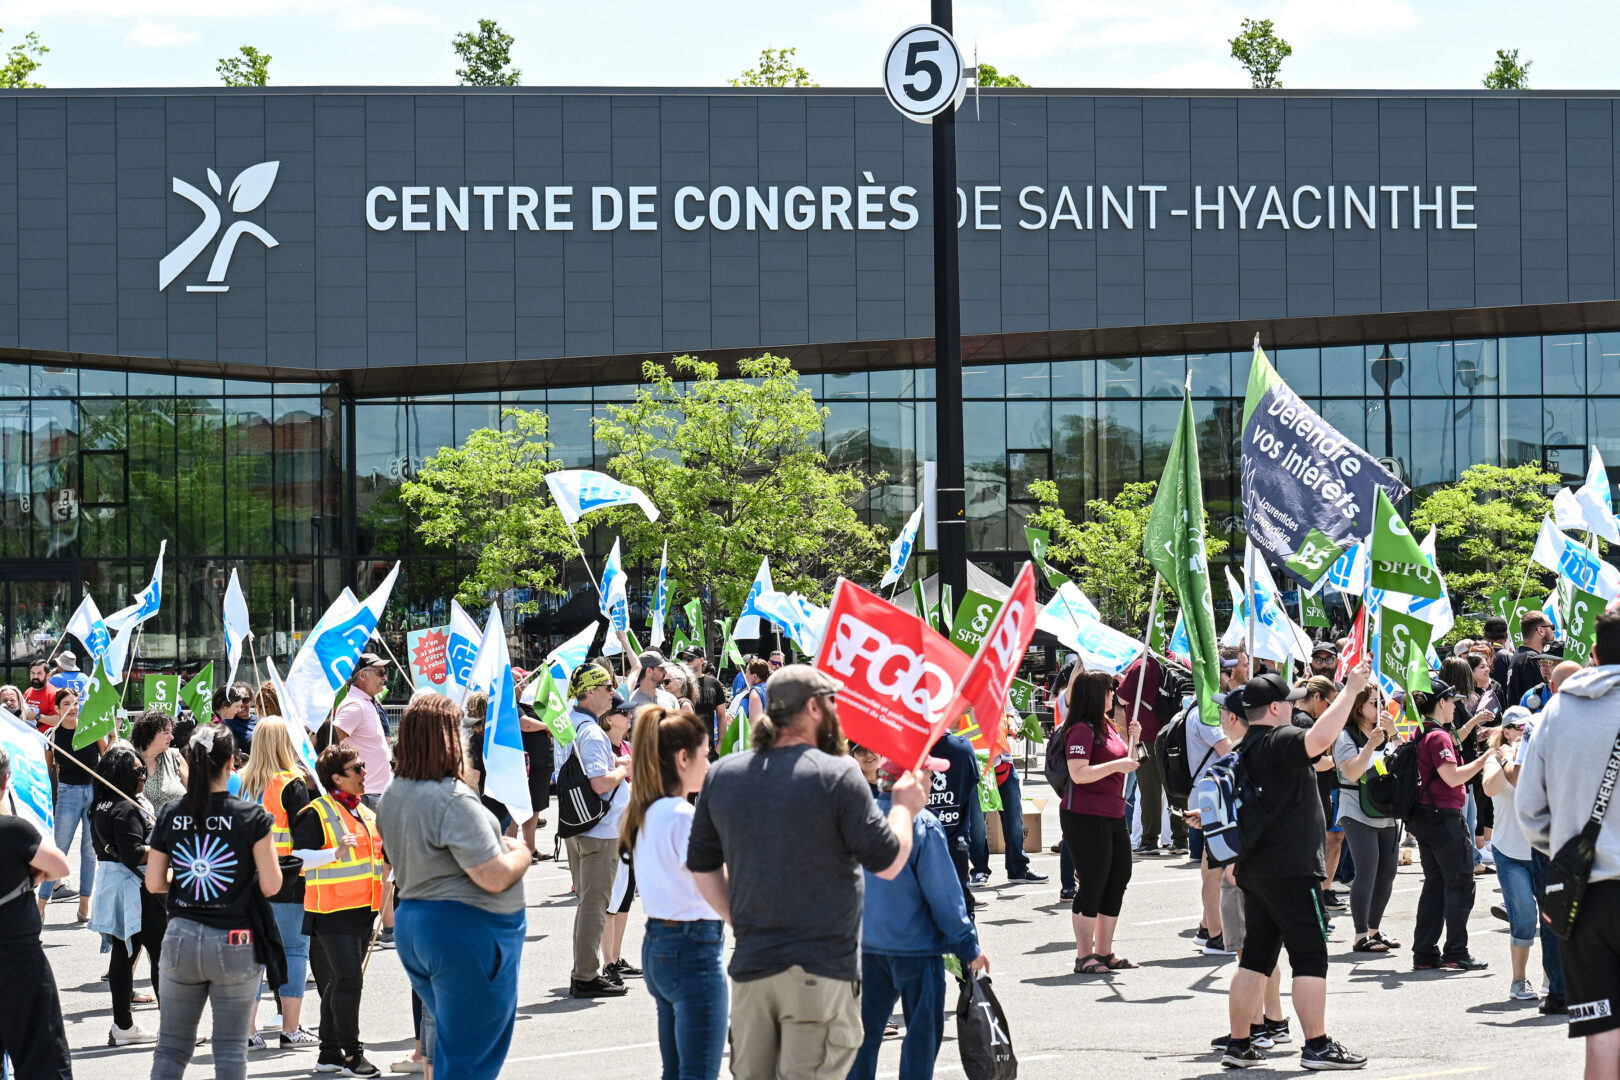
(1563, 364)
(1564, 422)
(983, 381)
(1521, 365)
(1300, 369)
(1029, 381)
(1603, 364)
(1344, 370)
(1521, 432)
(1121, 377)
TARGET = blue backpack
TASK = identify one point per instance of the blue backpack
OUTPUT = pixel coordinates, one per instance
(1230, 808)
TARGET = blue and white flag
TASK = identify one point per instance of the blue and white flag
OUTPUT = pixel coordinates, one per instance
(1574, 561)
(461, 651)
(88, 626)
(28, 795)
(1180, 644)
(326, 660)
(1550, 608)
(1067, 612)
(579, 491)
(748, 619)
(124, 621)
(1351, 572)
(296, 728)
(661, 600)
(564, 659)
(506, 766)
(1100, 646)
(1236, 632)
(900, 550)
(1595, 500)
(236, 625)
(1276, 637)
(801, 620)
(615, 596)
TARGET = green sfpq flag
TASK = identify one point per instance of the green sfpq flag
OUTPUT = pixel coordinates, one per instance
(729, 650)
(162, 693)
(1032, 729)
(198, 694)
(679, 641)
(1398, 564)
(1400, 638)
(973, 621)
(947, 608)
(694, 616)
(1039, 540)
(1022, 695)
(1417, 681)
(1314, 612)
(1580, 610)
(989, 790)
(98, 712)
(1174, 545)
(552, 708)
(1158, 634)
(635, 643)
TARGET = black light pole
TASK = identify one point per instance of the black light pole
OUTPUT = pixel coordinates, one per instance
(951, 499)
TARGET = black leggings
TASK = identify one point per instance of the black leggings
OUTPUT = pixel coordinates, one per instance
(1101, 850)
(1376, 852)
(121, 969)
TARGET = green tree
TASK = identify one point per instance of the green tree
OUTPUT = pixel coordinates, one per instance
(487, 56)
(776, 68)
(989, 76)
(1508, 74)
(487, 500)
(1105, 550)
(250, 68)
(1485, 526)
(1261, 52)
(21, 61)
(735, 466)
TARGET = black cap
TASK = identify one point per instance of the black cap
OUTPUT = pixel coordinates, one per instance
(691, 652)
(1262, 690)
(617, 705)
(1232, 701)
(1427, 700)
(1496, 628)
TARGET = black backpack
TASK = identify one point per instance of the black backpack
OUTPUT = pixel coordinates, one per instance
(1393, 786)
(579, 807)
(1170, 751)
(1056, 765)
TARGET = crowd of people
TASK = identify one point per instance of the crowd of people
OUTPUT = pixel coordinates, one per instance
(213, 847)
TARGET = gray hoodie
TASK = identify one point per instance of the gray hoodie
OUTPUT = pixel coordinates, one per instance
(1563, 765)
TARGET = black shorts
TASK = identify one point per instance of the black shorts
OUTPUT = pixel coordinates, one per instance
(1592, 963)
(1283, 913)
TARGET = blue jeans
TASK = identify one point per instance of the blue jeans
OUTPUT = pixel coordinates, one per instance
(463, 964)
(918, 983)
(1012, 829)
(1195, 844)
(1471, 815)
(290, 921)
(1552, 956)
(682, 970)
(1517, 878)
(73, 802)
(1066, 880)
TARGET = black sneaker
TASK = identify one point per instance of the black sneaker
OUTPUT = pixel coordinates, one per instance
(1216, 946)
(1467, 963)
(359, 1066)
(1499, 912)
(1553, 1005)
(1200, 937)
(330, 1061)
(1277, 1031)
(611, 974)
(1259, 1038)
(1331, 1056)
(1065, 894)
(1332, 898)
(598, 987)
(1027, 875)
(1243, 1056)
(627, 970)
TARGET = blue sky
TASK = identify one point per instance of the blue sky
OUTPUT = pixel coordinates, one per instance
(1086, 43)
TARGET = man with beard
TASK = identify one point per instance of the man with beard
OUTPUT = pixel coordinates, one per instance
(1324, 659)
(779, 840)
(40, 697)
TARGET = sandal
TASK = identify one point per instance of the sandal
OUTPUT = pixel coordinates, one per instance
(1092, 964)
(1370, 944)
(1389, 941)
(1119, 963)
(138, 998)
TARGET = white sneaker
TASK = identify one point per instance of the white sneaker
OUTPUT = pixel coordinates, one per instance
(293, 1040)
(406, 1064)
(1522, 991)
(255, 1041)
(272, 1024)
(117, 1036)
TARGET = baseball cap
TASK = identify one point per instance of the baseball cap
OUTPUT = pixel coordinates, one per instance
(691, 652)
(652, 658)
(1231, 701)
(790, 688)
(617, 705)
(369, 660)
(1515, 716)
(1228, 664)
(1325, 647)
(586, 677)
(1427, 700)
(1262, 690)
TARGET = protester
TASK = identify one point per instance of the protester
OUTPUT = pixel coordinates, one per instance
(32, 1033)
(152, 736)
(1374, 840)
(1445, 846)
(1561, 771)
(1473, 710)
(953, 798)
(708, 696)
(907, 925)
(1097, 739)
(461, 917)
(748, 704)
(1324, 659)
(680, 954)
(616, 722)
(220, 933)
(126, 915)
(651, 669)
(792, 892)
(591, 855)
(1206, 744)
(540, 752)
(1320, 691)
(1282, 903)
(1514, 871)
(12, 700)
(361, 722)
(1524, 672)
(1498, 651)
(233, 708)
(1158, 707)
(266, 701)
(276, 778)
(68, 676)
(39, 697)
(75, 795)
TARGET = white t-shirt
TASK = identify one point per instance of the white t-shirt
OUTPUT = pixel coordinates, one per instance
(1508, 835)
(668, 890)
(597, 758)
(1201, 740)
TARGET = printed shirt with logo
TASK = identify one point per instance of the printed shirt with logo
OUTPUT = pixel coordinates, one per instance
(1104, 797)
(212, 860)
(1436, 747)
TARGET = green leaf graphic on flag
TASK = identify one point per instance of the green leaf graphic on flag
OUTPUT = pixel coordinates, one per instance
(694, 616)
(98, 712)
(1400, 638)
(198, 694)
(1039, 540)
(680, 641)
(1174, 543)
(1398, 564)
(1580, 610)
(552, 708)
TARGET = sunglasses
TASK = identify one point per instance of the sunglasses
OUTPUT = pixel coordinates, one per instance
(357, 769)
(776, 663)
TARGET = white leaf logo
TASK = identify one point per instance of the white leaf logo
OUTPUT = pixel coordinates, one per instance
(213, 180)
(251, 186)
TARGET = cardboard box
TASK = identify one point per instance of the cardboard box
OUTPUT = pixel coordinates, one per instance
(1032, 829)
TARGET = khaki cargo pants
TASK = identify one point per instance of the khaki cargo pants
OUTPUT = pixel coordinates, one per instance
(593, 863)
(794, 1026)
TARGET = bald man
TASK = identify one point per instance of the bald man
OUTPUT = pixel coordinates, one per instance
(1563, 671)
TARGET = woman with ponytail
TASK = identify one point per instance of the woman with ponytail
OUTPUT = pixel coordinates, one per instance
(680, 954)
(220, 932)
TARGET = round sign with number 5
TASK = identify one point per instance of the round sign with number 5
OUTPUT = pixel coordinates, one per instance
(923, 73)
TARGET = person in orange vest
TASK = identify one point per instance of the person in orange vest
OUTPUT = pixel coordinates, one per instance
(277, 779)
(341, 900)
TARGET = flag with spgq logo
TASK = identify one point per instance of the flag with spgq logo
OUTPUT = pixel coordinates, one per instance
(899, 674)
(985, 684)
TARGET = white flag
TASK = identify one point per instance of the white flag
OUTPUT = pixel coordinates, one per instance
(1235, 628)
(88, 626)
(1549, 545)
(564, 659)
(1066, 612)
(1276, 637)
(506, 769)
(296, 728)
(236, 625)
(579, 491)
(329, 654)
(1595, 500)
(661, 600)
(748, 620)
(461, 651)
(1568, 512)
(900, 550)
(125, 620)
(614, 603)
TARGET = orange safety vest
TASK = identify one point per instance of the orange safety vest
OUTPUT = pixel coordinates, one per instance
(355, 878)
(280, 827)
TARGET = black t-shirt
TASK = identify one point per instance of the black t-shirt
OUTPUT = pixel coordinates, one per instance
(119, 832)
(1325, 781)
(1277, 764)
(88, 756)
(294, 797)
(708, 698)
(214, 871)
(19, 842)
(955, 786)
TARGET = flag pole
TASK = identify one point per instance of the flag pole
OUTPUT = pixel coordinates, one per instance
(97, 777)
(1248, 601)
(1518, 595)
(1141, 675)
(589, 572)
(134, 656)
(410, 683)
(257, 674)
(50, 655)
